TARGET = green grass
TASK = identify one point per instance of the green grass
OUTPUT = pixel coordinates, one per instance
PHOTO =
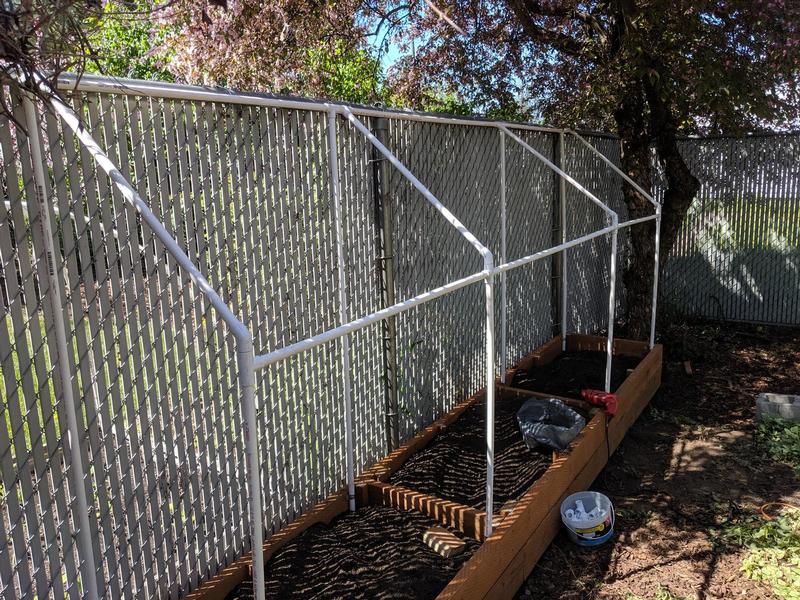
(747, 222)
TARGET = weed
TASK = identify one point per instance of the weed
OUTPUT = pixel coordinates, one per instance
(781, 440)
(663, 416)
(663, 593)
(774, 550)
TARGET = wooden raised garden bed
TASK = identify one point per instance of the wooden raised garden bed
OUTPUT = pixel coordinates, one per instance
(527, 500)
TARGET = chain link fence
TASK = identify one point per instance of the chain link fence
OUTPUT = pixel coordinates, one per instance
(244, 189)
(737, 256)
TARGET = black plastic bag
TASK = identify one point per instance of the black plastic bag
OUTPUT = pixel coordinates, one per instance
(548, 423)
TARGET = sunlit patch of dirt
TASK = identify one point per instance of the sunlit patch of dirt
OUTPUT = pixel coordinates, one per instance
(686, 467)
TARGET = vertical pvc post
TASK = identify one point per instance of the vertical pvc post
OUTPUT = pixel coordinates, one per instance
(490, 389)
(247, 376)
(562, 202)
(333, 162)
(611, 303)
(83, 538)
(655, 278)
(503, 258)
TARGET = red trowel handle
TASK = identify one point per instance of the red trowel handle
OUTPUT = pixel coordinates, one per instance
(600, 398)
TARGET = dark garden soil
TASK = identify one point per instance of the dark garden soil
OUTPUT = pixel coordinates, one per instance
(374, 553)
(453, 465)
(570, 373)
(688, 467)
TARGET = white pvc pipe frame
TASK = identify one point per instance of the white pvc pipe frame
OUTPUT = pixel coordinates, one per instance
(249, 362)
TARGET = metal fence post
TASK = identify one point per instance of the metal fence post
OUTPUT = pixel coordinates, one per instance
(333, 165)
(503, 258)
(55, 280)
(245, 355)
(384, 242)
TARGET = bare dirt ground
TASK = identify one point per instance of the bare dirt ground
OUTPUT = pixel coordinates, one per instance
(685, 469)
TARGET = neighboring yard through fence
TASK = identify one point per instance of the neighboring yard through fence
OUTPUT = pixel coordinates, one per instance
(738, 254)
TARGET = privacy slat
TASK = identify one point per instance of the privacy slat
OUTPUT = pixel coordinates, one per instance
(13, 447)
(24, 423)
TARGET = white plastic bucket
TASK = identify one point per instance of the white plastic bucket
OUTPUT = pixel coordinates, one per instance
(588, 531)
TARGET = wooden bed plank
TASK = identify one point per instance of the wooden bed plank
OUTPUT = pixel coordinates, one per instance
(574, 402)
(500, 566)
(465, 519)
(222, 584)
(544, 354)
(580, 342)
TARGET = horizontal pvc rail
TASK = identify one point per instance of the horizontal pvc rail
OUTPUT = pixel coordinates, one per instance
(264, 360)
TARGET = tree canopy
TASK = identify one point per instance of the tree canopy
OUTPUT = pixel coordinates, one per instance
(127, 40)
(721, 65)
(648, 70)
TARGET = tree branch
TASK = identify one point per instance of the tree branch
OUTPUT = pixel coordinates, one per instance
(560, 41)
(444, 17)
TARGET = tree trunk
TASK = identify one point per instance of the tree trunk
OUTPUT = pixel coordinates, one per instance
(637, 274)
(644, 118)
(682, 186)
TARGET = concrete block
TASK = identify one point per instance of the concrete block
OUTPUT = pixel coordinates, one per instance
(443, 541)
(786, 406)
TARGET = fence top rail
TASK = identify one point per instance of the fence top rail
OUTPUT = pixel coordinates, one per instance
(178, 91)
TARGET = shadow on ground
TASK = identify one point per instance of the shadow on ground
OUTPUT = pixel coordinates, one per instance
(687, 466)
